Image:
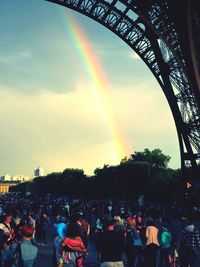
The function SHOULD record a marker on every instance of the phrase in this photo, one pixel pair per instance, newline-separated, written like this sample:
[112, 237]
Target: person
[28, 219]
[152, 244]
[3, 239]
[118, 223]
[27, 251]
[45, 224]
[133, 245]
[61, 228]
[6, 227]
[165, 245]
[188, 246]
[38, 229]
[85, 226]
[73, 249]
[61, 233]
[8, 246]
[111, 245]
[97, 235]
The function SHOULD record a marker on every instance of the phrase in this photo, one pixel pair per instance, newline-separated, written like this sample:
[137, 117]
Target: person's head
[63, 219]
[150, 222]
[128, 218]
[58, 219]
[165, 226]
[117, 219]
[7, 218]
[73, 230]
[191, 221]
[132, 223]
[76, 219]
[139, 219]
[110, 224]
[27, 231]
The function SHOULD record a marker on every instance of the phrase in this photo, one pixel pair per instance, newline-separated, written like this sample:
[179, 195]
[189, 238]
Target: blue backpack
[134, 238]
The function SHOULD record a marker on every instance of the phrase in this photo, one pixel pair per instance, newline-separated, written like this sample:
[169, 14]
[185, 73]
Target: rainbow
[100, 86]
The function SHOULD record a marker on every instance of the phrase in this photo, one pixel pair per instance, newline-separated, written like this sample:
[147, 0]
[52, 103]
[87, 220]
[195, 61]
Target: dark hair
[4, 216]
[165, 225]
[75, 218]
[73, 230]
[109, 223]
[150, 222]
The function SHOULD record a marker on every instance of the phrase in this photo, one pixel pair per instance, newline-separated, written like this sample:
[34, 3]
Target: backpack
[166, 239]
[73, 252]
[133, 238]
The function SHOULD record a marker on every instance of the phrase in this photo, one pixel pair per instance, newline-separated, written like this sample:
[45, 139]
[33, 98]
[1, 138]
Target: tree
[142, 173]
[155, 157]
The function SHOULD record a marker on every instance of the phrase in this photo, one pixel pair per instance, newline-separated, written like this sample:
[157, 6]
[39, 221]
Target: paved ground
[45, 255]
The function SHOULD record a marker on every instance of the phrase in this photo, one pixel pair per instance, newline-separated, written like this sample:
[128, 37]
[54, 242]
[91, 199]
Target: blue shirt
[61, 230]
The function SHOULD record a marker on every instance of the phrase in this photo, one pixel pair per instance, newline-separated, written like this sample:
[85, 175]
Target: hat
[27, 230]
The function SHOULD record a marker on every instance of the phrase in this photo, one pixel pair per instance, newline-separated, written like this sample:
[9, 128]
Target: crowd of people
[123, 233]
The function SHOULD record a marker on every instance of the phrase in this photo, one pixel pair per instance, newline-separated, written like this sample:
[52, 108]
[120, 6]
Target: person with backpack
[133, 245]
[165, 246]
[73, 249]
[61, 233]
[8, 242]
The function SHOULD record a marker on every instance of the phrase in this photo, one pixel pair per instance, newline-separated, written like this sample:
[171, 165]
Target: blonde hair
[117, 218]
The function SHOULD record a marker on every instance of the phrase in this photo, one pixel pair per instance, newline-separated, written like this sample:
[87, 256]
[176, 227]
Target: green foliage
[143, 173]
[155, 157]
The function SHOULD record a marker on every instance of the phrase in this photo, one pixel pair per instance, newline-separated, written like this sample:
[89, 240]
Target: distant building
[20, 178]
[38, 172]
[15, 178]
[7, 181]
[6, 177]
[5, 186]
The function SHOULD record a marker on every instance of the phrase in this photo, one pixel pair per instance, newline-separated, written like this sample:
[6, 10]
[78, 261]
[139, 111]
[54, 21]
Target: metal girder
[169, 45]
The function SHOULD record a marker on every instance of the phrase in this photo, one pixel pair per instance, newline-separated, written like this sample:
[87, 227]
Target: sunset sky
[73, 95]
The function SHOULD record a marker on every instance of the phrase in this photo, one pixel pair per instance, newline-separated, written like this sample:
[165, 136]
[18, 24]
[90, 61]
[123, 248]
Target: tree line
[143, 173]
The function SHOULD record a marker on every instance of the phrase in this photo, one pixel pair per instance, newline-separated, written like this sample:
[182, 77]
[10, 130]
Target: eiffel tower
[166, 36]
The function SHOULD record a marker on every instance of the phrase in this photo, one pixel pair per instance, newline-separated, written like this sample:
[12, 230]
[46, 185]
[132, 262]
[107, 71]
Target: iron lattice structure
[166, 35]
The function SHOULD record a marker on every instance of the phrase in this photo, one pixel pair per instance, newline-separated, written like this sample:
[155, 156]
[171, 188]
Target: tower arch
[167, 39]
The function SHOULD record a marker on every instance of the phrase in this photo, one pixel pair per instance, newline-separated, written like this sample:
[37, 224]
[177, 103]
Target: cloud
[146, 119]
[45, 124]
[6, 59]
[65, 130]
[14, 57]
[141, 109]
[24, 54]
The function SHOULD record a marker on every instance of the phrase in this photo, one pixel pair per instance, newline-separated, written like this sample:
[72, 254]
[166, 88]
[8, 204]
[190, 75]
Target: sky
[63, 107]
